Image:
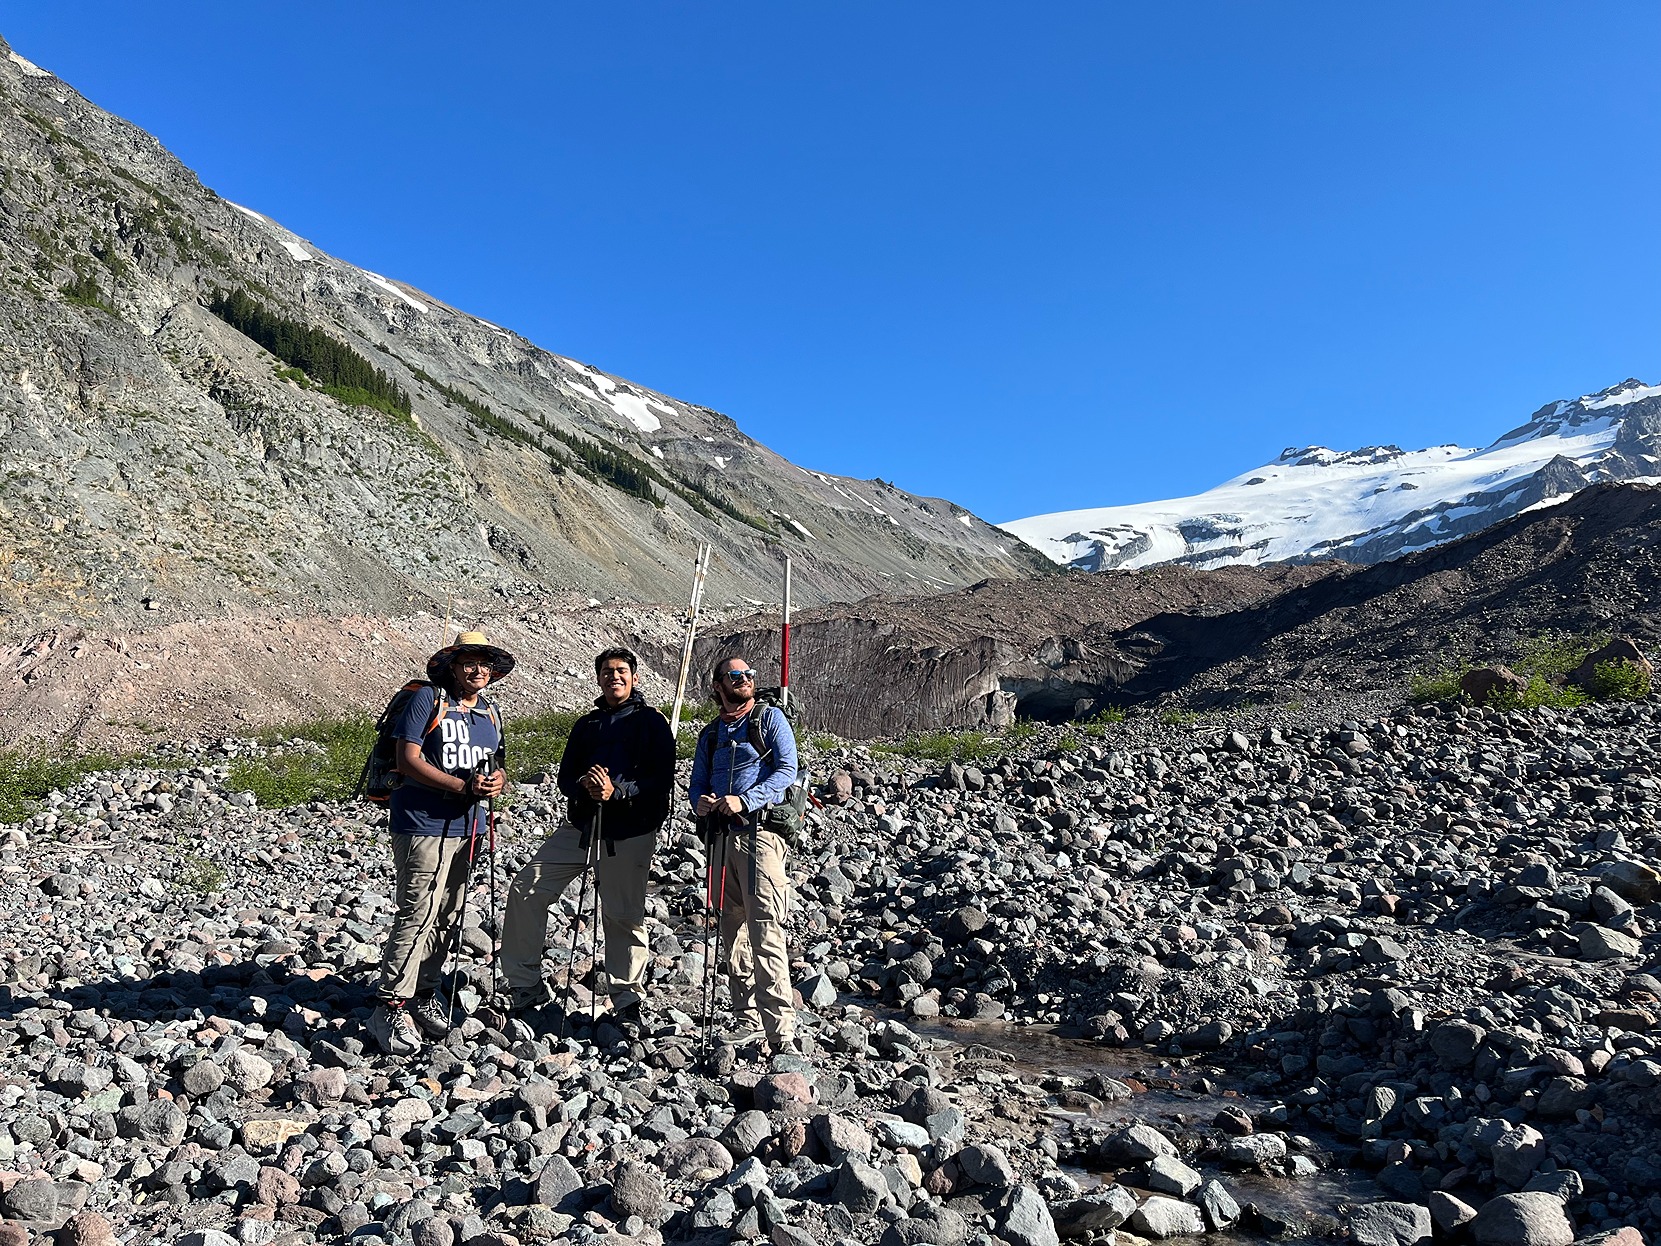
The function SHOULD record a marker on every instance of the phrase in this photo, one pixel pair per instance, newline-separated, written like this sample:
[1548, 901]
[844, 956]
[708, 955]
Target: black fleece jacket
[633, 743]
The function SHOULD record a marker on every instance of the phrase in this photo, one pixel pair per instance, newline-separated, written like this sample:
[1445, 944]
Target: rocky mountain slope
[1373, 504]
[331, 441]
[1318, 632]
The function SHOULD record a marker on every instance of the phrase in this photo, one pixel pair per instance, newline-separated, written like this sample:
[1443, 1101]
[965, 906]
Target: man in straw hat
[449, 752]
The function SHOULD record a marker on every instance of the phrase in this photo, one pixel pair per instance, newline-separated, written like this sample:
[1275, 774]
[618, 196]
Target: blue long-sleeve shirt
[727, 764]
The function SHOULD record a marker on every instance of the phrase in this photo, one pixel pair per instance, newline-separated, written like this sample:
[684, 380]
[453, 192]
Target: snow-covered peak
[1370, 504]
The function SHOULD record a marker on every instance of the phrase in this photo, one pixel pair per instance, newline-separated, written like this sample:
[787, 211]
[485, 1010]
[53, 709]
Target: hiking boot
[431, 1014]
[788, 1045]
[629, 1020]
[393, 1028]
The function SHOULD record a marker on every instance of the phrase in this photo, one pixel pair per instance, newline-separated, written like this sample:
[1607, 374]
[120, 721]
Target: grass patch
[941, 746]
[328, 772]
[1099, 723]
[536, 742]
[1179, 718]
[27, 779]
[1540, 691]
[1442, 686]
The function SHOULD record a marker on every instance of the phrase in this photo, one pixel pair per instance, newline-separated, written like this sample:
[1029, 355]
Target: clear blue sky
[1028, 257]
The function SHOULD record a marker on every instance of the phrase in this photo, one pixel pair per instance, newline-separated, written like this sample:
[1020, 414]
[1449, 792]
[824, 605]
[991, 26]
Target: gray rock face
[344, 502]
[1094, 1212]
[1389, 1224]
[1522, 1219]
[1028, 1221]
[637, 1190]
[1161, 1217]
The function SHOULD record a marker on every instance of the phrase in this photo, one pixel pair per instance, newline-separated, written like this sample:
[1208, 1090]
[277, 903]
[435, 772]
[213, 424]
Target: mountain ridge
[160, 464]
[1370, 504]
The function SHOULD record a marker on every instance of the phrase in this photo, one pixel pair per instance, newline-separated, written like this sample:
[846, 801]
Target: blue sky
[1030, 258]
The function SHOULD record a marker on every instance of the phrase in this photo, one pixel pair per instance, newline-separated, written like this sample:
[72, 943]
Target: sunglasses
[740, 677]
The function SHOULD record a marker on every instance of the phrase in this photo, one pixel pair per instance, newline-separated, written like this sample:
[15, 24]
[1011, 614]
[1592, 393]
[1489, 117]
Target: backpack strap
[441, 707]
[754, 731]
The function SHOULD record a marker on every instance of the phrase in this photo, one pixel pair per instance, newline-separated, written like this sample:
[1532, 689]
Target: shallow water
[1167, 1096]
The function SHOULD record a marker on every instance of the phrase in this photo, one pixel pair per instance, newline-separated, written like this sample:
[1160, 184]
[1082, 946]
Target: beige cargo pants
[430, 874]
[757, 903]
[621, 879]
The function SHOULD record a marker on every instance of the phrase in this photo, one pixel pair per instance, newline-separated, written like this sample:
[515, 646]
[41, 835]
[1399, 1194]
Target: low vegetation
[1544, 662]
[325, 766]
[27, 778]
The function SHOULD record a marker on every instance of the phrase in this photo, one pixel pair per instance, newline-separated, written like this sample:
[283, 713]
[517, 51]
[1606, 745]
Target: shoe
[431, 1014]
[393, 1028]
[789, 1045]
[630, 1022]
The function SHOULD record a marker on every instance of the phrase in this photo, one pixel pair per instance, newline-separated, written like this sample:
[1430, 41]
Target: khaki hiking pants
[621, 879]
[757, 903]
[431, 879]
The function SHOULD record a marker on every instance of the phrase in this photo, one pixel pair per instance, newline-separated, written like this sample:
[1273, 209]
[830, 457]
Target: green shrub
[536, 742]
[1554, 655]
[1619, 680]
[84, 291]
[1442, 686]
[941, 746]
[1068, 743]
[1540, 691]
[198, 874]
[1179, 718]
[328, 772]
[1097, 724]
[27, 778]
[1021, 731]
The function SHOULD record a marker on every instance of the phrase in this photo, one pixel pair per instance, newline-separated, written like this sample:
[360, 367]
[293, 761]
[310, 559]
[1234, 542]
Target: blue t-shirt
[458, 742]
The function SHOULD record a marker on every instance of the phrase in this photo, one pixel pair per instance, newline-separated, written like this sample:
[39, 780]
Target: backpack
[380, 769]
[786, 818]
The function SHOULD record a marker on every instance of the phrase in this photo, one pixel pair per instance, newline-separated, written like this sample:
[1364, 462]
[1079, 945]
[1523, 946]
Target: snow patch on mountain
[1371, 504]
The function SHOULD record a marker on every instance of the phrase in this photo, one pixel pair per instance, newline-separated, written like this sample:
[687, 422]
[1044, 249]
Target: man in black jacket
[616, 775]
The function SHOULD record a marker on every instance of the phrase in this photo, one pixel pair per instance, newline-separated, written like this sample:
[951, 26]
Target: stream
[1174, 1100]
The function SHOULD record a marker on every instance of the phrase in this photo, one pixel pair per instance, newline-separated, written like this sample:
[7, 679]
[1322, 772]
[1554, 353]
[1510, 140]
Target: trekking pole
[710, 911]
[495, 925]
[784, 644]
[594, 925]
[461, 924]
[699, 572]
[571, 949]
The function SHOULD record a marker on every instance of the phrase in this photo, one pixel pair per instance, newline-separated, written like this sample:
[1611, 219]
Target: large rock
[557, 1181]
[35, 1200]
[696, 1159]
[1631, 880]
[1488, 683]
[1602, 943]
[637, 1190]
[1136, 1144]
[986, 1165]
[1517, 1153]
[1101, 1209]
[1027, 1222]
[1162, 1217]
[1620, 651]
[1523, 1219]
[1389, 1224]
[859, 1187]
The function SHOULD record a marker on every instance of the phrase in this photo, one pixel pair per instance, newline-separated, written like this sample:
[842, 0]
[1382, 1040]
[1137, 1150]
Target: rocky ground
[1409, 948]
